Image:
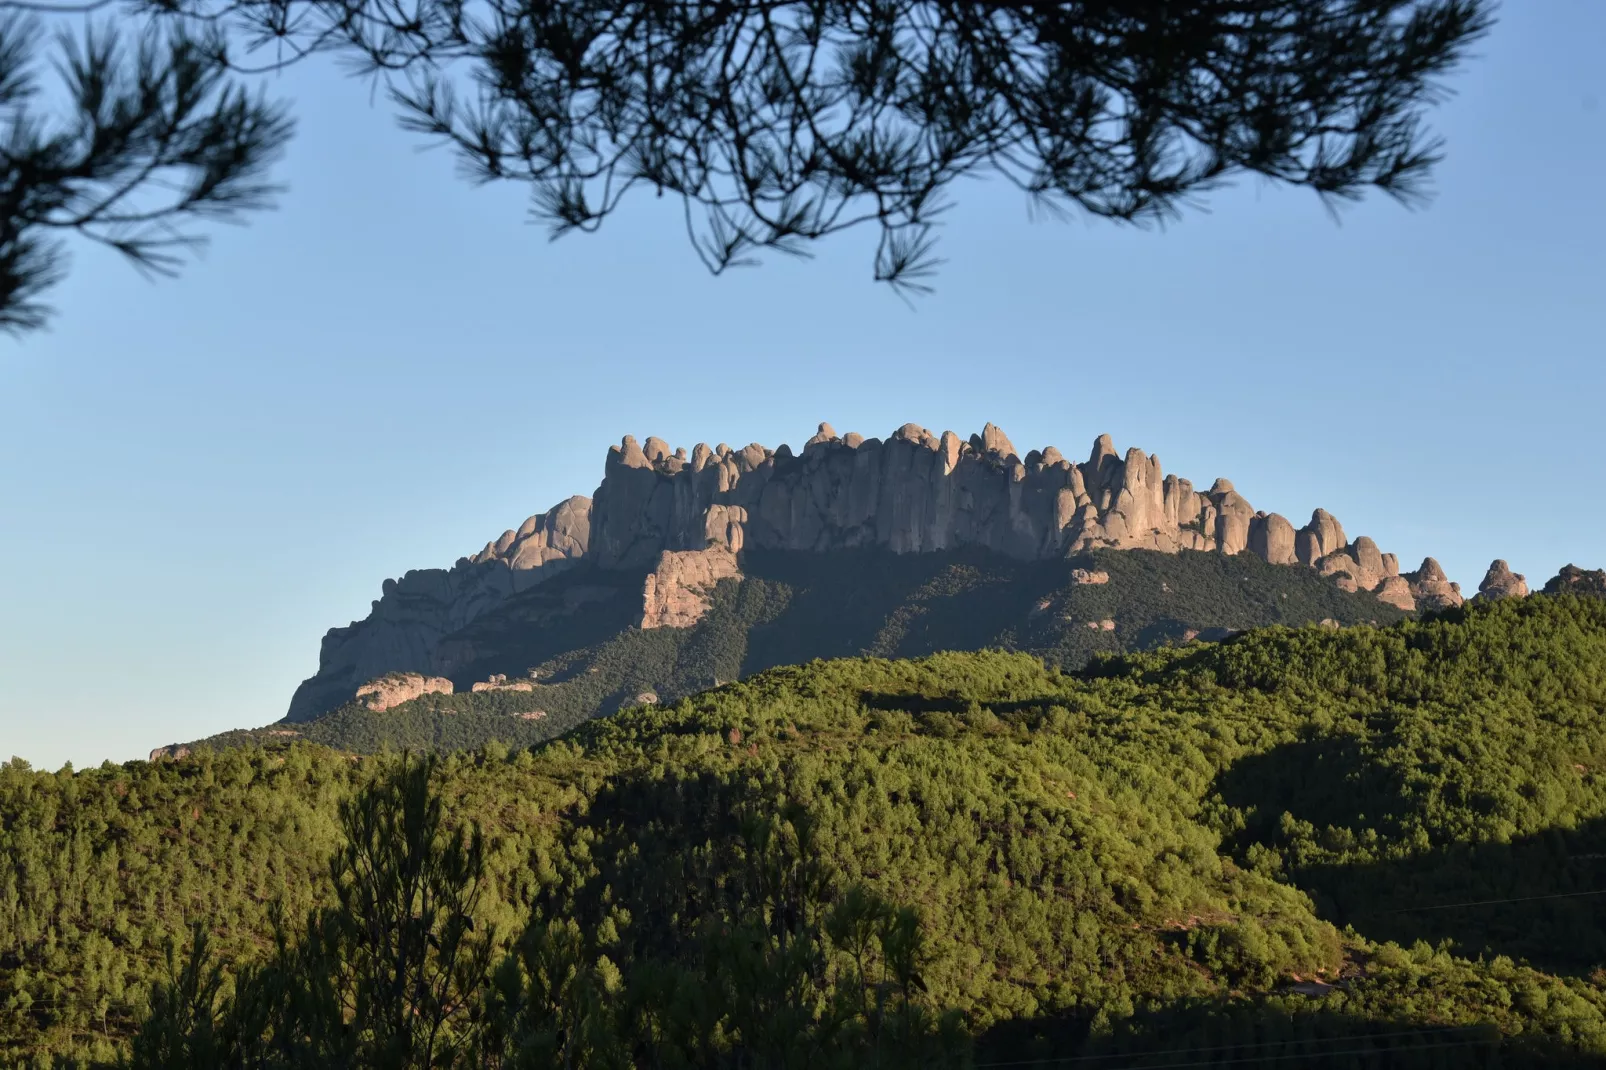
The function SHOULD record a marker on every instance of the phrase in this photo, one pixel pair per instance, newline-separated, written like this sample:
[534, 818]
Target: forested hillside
[1364, 847]
[791, 608]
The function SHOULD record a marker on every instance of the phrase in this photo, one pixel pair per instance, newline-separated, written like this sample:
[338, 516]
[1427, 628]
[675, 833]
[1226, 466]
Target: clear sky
[200, 476]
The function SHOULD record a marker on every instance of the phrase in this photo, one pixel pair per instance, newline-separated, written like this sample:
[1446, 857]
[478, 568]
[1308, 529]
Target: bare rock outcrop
[1272, 538]
[394, 688]
[1324, 535]
[559, 534]
[500, 682]
[1360, 566]
[675, 594]
[1431, 588]
[1396, 591]
[1501, 582]
[1574, 580]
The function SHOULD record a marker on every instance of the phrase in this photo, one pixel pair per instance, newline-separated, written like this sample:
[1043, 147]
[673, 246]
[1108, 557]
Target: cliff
[913, 492]
[403, 632]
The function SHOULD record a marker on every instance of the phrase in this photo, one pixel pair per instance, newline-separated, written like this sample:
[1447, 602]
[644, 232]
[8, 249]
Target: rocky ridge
[414, 613]
[918, 491]
[683, 518]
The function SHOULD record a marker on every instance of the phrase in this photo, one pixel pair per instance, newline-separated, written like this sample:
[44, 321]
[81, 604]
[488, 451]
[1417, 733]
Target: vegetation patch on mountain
[794, 607]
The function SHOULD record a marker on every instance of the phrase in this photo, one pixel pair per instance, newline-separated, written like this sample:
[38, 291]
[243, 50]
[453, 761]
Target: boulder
[994, 440]
[825, 434]
[1322, 536]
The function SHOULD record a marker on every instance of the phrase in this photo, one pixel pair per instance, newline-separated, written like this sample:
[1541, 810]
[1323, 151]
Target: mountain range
[685, 570]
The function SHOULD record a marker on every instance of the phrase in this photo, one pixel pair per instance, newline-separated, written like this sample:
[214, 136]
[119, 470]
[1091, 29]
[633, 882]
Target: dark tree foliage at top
[778, 123]
[158, 136]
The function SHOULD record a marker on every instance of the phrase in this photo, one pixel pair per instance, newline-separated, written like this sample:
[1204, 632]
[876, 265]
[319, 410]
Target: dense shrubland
[969, 856]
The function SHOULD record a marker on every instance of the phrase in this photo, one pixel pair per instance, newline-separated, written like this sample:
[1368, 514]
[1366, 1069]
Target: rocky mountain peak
[1501, 582]
[914, 492]
[993, 440]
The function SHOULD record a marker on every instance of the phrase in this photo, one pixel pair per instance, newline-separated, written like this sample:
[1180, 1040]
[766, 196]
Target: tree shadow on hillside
[1327, 780]
[873, 601]
[576, 610]
[1539, 898]
[672, 849]
[668, 849]
[1205, 1033]
[915, 702]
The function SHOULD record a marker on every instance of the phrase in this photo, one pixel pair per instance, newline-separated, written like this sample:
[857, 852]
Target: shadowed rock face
[912, 492]
[1574, 580]
[403, 631]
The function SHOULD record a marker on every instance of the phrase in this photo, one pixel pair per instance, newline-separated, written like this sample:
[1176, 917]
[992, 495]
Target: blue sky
[198, 477]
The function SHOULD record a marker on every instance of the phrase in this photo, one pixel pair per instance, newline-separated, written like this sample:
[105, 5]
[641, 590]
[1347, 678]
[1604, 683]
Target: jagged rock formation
[921, 491]
[1501, 582]
[557, 535]
[682, 518]
[1574, 580]
[394, 688]
[915, 491]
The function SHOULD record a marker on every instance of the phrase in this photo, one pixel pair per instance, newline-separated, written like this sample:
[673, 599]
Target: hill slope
[578, 631]
[1145, 857]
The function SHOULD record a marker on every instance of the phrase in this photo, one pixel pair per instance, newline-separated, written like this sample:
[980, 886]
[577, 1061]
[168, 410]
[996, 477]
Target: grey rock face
[404, 629]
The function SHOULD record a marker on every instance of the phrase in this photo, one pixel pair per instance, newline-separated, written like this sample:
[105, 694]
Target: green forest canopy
[1146, 856]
